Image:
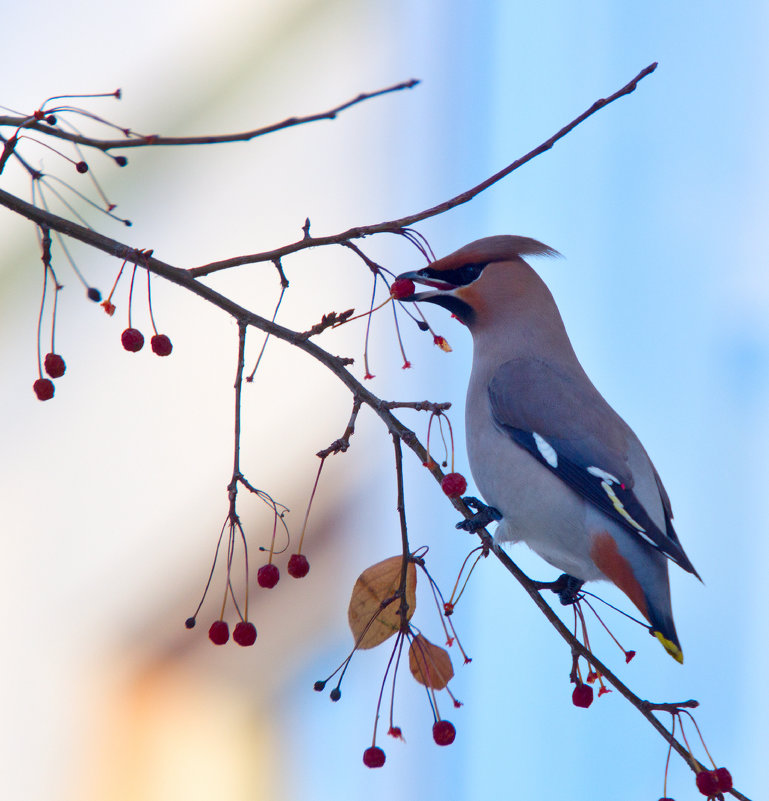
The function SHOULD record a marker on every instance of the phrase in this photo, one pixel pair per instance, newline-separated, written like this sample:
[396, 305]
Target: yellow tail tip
[670, 647]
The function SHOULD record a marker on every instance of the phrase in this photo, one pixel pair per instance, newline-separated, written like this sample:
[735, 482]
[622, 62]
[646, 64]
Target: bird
[557, 467]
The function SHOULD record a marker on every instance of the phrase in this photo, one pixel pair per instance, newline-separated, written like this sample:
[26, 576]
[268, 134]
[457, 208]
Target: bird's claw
[484, 515]
[566, 587]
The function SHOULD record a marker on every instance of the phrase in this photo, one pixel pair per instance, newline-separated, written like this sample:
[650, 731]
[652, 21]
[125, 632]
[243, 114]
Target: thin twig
[419, 406]
[403, 610]
[343, 443]
[236, 474]
[138, 140]
[396, 226]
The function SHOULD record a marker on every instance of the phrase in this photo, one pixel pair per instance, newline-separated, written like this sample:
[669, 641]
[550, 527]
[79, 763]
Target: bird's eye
[461, 276]
[469, 272]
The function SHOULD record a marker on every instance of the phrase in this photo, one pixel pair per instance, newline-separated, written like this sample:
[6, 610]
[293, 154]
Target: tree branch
[395, 226]
[139, 140]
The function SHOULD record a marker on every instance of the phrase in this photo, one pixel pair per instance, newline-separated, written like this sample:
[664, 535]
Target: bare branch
[343, 443]
[328, 321]
[138, 140]
[406, 551]
[419, 406]
[397, 226]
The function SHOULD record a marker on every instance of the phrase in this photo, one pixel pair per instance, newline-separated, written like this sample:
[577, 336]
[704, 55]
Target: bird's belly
[537, 508]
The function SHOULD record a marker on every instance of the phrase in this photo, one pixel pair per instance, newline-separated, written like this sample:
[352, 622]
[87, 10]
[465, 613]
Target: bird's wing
[564, 423]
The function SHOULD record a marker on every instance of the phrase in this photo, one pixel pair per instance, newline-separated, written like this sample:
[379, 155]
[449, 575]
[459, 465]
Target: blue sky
[658, 205]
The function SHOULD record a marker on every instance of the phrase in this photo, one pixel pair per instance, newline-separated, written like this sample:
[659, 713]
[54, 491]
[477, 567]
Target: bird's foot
[566, 587]
[483, 515]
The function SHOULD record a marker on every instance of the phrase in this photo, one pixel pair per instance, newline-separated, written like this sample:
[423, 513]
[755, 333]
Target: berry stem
[272, 541]
[49, 147]
[116, 94]
[455, 596]
[392, 685]
[130, 294]
[227, 585]
[452, 637]
[267, 336]
[608, 631]
[689, 748]
[451, 435]
[56, 290]
[114, 286]
[45, 242]
[368, 326]
[396, 648]
[309, 503]
[432, 700]
[406, 362]
[702, 740]
[210, 572]
[670, 751]
[149, 301]
[245, 557]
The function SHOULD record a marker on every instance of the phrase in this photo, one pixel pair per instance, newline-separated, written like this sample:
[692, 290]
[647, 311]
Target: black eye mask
[461, 276]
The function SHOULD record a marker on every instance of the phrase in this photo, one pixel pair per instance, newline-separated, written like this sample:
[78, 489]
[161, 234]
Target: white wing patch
[619, 506]
[603, 475]
[546, 450]
[607, 479]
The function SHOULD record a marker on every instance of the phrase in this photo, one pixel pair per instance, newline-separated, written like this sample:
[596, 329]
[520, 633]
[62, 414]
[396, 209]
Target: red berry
[132, 339]
[707, 782]
[54, 365]
[724, 780]
[373, 757]
[454, 484]
[245, 633]
[219, 632]
[444, 732]
[402, 288]
[298, 566]
[267, 576]
[582, 696]
[43, 388]
[161, 345]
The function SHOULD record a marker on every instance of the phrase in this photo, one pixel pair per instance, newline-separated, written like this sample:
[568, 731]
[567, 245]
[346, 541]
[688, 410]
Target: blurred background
[114, 493]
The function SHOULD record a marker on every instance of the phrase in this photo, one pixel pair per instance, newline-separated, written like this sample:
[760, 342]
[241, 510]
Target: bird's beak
[436, 289]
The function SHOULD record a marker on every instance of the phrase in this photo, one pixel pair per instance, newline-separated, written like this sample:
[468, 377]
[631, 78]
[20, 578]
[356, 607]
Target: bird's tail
[664, 629]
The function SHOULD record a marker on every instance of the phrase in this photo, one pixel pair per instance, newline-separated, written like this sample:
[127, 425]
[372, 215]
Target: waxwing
[558, 467]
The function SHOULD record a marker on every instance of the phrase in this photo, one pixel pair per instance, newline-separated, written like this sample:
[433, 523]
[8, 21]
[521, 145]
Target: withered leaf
[370, 624]
[430, 664]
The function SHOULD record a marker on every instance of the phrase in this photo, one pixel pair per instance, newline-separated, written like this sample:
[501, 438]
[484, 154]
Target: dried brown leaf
[430, 664]
[370, 624]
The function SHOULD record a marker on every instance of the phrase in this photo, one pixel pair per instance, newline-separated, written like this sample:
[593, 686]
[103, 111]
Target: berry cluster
[244, 633]
[132, 339]
[268, 575]
[444, 733]
[713, 782]
[381, 606]
[55, 366]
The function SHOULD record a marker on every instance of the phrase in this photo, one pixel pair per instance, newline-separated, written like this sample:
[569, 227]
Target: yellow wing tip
[670, 647]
